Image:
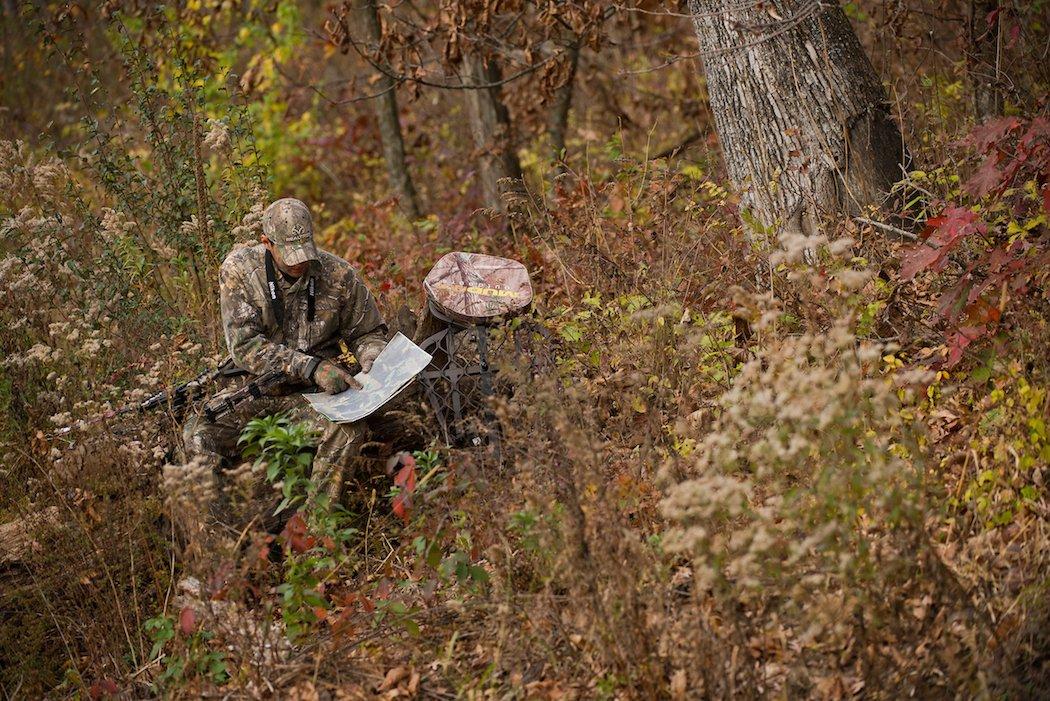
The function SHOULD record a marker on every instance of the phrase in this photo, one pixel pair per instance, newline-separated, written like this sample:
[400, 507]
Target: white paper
[396, 366]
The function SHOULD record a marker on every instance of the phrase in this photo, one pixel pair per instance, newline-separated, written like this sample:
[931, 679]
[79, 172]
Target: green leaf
[285, 503]
[434, 556]
[314, 599]
[217, 670]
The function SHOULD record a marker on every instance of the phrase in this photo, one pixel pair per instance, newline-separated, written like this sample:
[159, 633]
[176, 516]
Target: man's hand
[367, 354]
[333, 379]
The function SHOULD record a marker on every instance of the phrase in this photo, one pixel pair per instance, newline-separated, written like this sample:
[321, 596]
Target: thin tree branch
[887, 228]
[360, 98]
[402, 78]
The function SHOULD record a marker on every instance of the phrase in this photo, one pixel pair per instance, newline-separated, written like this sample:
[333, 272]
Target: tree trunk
[982, 58]
[491, 129]
[803, 119]
[559, 117]
[389, 121]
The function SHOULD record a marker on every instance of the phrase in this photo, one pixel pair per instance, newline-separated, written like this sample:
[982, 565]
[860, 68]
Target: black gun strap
[277, 304]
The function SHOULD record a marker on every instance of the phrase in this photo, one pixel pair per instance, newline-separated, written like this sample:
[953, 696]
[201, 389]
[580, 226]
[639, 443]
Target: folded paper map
[393, 370]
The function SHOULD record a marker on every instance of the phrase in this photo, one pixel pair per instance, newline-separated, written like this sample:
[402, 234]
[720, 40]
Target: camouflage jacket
[344, 310]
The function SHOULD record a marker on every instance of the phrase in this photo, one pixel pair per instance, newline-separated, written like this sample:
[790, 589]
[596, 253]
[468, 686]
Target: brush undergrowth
[719, 484]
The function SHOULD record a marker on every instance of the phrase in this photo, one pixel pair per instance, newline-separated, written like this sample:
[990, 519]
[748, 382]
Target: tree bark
[559, 116]
[802, 118]
[389, 121]
[982, 58]
[490, 128]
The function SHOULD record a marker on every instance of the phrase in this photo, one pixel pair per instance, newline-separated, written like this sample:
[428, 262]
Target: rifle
[178, 397]
[181, 395]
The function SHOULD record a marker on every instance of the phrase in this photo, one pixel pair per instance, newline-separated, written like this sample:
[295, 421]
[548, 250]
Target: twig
[887, 228]
[674, 148]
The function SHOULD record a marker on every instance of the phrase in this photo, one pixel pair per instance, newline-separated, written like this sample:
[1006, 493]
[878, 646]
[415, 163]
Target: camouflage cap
[287, 224]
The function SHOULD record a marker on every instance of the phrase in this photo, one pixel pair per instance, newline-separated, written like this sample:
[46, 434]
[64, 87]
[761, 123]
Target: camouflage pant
[339, 443]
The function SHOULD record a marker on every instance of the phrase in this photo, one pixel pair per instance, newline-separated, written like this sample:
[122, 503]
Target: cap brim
[299, 253]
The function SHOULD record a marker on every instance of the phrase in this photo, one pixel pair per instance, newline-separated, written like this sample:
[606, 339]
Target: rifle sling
[277, 304]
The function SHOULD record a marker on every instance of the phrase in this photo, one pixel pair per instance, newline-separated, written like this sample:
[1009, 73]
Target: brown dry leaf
[831, 687]
[548, 689]
[352, 693]
[393, 678]
[305, 691]
[679, 685]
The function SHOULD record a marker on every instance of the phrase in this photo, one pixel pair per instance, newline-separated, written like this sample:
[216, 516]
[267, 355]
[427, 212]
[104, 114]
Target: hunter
[287, 306]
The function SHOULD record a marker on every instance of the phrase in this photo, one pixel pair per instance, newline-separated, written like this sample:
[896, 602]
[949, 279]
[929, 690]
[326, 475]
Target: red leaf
[959, 340]
[992, 132]
[401, 504]
[342, 624]
[302, 544]
[1046, 198]
[406, 478]
[1038, 129]
[262, 543]
[1015, 34]
[951, 303]
[982, 314]
[987, 178]
[187, 620]
[951, 227]
[993, 16]
[932, 224]
[384, 588]
[399, 460]
[296, 534]
[918, 258]
[1005, 256]
[296, 525]
[104, 688]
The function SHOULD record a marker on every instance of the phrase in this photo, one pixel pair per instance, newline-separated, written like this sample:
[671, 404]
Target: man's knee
[339, 442]
[204, 438]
